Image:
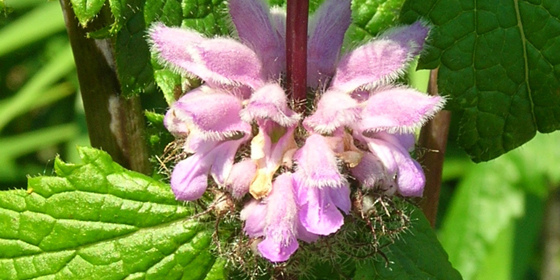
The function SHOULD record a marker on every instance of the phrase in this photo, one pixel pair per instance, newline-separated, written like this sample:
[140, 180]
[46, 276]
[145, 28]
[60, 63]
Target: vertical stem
[296, 65]
[296, 50]
[433, 138]
[115, 124]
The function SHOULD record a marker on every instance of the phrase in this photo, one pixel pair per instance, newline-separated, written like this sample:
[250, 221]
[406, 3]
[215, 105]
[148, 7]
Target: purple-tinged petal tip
[334, 110]
[189, 179]
[270, 102]
[216, 61]
[399, 110]
[214, 114]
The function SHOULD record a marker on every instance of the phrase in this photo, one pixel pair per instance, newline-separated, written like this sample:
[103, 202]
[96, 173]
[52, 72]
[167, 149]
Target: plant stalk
[433, 140]
[115, 124]
[296, 51]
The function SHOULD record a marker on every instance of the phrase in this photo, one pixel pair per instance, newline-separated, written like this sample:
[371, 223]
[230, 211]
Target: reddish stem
[296, 50]
[433, 137]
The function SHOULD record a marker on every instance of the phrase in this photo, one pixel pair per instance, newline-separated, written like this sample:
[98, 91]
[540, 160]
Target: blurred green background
[496, 220]
[41, 114]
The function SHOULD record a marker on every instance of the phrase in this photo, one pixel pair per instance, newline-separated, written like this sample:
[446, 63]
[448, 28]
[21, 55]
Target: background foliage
[497, 62]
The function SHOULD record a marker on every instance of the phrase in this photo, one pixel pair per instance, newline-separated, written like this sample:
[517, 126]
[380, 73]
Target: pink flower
[298, 192]
[275, 218]
[360, 97]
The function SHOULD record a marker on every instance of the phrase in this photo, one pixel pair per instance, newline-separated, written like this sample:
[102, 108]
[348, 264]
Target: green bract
[498, 62]
[97, 220]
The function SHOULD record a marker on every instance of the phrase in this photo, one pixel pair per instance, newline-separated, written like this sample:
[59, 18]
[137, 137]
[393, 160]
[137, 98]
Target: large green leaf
[491, 198]
[417, 254]
[97, 220]
[498, 60]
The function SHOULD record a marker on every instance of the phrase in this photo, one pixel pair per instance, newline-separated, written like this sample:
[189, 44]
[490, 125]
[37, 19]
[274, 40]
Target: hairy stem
[115, 124]
[433, 140]
[296, 50]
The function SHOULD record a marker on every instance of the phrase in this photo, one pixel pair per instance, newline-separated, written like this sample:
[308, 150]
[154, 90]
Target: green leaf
[416, 255]
[369, 17]
[86, 10]
[209, 17]
[498, 61]
[492, 196]
[97, 220]
[169, 83]
[169, 12]
[134, 69]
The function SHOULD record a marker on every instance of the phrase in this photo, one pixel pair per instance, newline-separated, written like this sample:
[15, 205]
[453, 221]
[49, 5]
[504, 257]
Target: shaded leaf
[416, 255]
[498, 61]
[97, 220]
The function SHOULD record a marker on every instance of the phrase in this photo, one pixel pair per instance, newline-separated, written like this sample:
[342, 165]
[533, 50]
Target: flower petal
[334, 110]
[176, 126]
[214, 114]
[410, 178]
[254, 215]
[317, 165]
[415, 34]
[340, 196]
[268, 149]
[318, 213]
[326, 33]
[398, 110]
[371, 174]
[405, 172]
[281, 228]
[270, 102]
[172, 43]
[240, 178]
[224, 155]
[381, 60]
[304, 234]
[189, 179]
[217, 61]
[254, 27]
[278, 20]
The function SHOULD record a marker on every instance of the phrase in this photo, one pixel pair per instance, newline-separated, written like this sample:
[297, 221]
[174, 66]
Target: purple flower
[238, 91]
[320, 186]
[361, 98]
[299, 192]
[275, 219]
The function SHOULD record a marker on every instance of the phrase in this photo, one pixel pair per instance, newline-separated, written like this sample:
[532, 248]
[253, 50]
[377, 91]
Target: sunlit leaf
[97, 220]
[369, 17]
